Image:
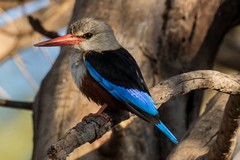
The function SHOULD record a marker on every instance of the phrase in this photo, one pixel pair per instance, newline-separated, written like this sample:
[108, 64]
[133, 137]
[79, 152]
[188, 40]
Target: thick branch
[213, 135]
[90, 129]
[16, 104]
[224, 145]
[202, 79]
[202, 134]
[177, 85]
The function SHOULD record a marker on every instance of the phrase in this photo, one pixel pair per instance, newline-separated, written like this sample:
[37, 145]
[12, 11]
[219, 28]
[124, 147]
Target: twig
[37, 26]
[161, 93]
[223, 147]
[16, 104]
[24, 71]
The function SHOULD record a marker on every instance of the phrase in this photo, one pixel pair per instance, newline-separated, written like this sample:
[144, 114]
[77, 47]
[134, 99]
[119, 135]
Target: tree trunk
[166, 38]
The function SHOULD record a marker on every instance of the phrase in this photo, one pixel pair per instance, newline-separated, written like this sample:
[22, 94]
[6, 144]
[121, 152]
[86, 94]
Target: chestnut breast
[88, 85]
[95, 92]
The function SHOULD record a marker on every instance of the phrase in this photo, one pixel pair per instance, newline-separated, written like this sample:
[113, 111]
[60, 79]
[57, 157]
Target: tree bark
[203, 134]
[223, 147]
[166, 38]
[5, 5]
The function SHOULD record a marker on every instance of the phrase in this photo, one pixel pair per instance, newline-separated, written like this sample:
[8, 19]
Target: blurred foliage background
[22, 68]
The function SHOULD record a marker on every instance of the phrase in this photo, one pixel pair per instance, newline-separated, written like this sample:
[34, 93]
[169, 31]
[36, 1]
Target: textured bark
[166, 38]
[202, 135]
[205, 140]
[223, 147]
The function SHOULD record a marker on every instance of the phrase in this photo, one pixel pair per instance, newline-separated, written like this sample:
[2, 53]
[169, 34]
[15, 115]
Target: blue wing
[138, 101]
[133, 97]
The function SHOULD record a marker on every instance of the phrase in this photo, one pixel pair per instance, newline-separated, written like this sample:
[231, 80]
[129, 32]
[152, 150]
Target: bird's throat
[77, 66]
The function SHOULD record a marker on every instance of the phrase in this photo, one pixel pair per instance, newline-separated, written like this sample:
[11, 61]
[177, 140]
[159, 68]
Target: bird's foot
[99, 113]
[105, 117]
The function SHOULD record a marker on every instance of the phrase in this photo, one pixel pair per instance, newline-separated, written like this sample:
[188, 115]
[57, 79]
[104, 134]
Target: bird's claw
[105, 117]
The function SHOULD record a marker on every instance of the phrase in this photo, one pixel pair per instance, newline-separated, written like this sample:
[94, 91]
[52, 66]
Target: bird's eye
[87, 35]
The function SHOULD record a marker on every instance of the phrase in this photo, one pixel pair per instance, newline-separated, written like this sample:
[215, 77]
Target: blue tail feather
[166, 131]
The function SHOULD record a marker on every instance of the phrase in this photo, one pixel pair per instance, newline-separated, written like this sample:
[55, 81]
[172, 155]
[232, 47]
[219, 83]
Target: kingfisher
[106, 73]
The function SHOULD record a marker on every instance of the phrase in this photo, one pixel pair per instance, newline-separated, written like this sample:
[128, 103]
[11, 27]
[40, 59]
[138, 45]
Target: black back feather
[123, 71]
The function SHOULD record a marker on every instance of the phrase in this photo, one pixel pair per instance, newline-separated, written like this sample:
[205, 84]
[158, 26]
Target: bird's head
[86, 34]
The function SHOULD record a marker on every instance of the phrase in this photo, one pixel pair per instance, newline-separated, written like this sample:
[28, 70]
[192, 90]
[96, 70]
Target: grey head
[97, 35]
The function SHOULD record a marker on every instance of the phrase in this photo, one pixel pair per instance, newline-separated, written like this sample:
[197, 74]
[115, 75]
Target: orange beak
[67, 39]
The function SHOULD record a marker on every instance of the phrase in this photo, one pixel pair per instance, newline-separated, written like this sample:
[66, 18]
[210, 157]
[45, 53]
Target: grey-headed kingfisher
[106, 73]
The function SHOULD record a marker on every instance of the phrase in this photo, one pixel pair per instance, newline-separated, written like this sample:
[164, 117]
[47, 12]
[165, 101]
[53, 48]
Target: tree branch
[20, 33]
[202, 79]
[16, 104]
[94, 127]
[202, 133]
[5, 5]
[38, 27]
[89, 130]
[225, 143]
